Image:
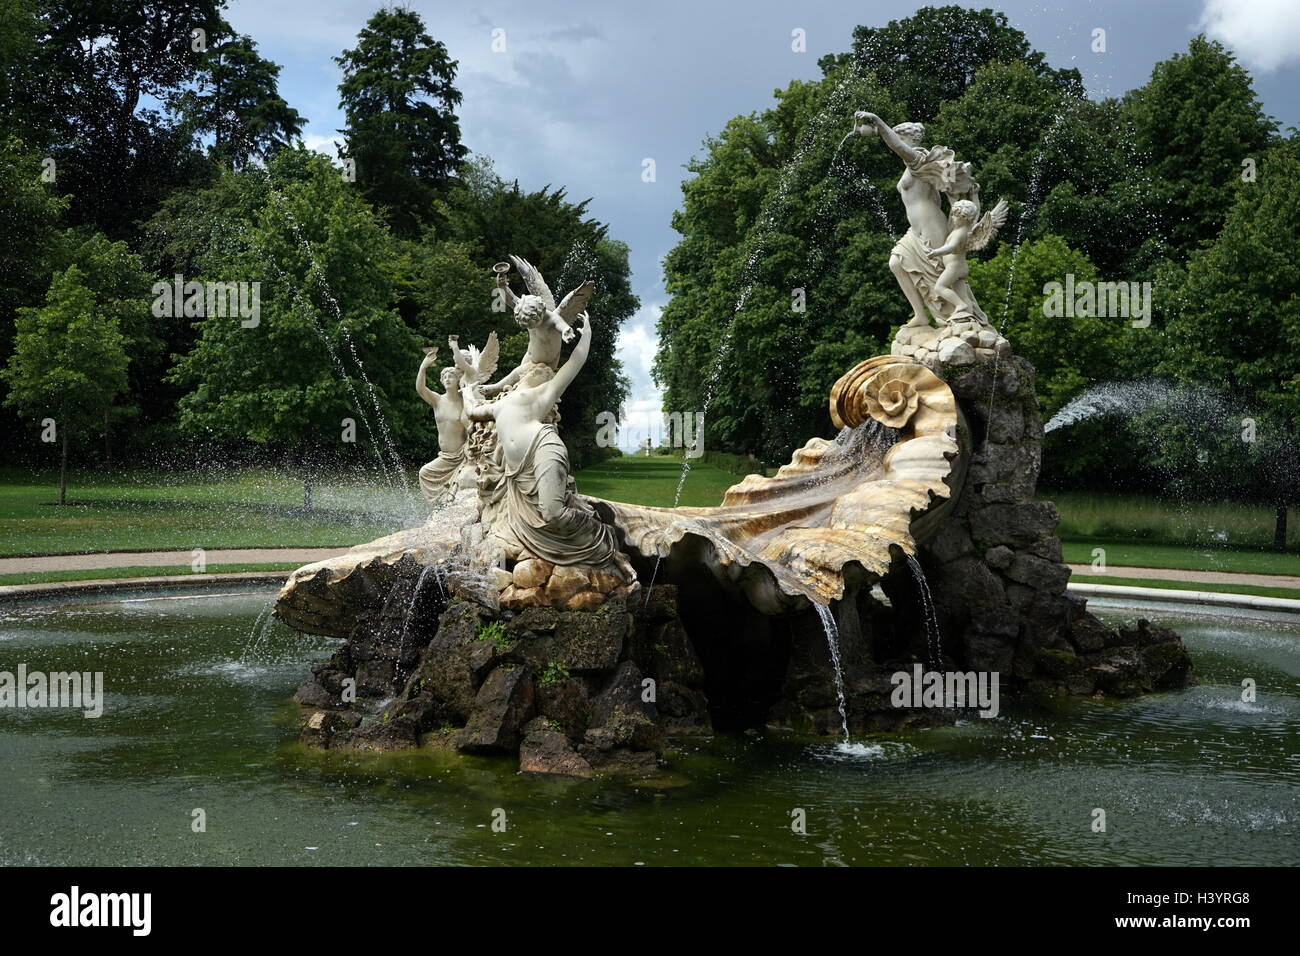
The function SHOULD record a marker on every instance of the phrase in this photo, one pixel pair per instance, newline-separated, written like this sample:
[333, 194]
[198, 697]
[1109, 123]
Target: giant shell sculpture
[839, 505]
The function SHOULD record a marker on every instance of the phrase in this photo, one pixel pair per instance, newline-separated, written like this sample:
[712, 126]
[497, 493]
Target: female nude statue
[929, 174]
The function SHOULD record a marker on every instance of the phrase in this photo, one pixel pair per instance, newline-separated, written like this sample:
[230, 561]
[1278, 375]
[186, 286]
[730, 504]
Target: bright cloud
[1265, 34]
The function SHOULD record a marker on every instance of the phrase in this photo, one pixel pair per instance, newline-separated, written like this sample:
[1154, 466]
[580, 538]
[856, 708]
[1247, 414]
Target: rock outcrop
[572, 692]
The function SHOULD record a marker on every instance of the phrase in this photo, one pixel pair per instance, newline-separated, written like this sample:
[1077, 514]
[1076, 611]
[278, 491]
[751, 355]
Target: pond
[198, 716]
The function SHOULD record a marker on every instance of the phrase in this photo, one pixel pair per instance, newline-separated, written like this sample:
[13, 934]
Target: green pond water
[198, 715]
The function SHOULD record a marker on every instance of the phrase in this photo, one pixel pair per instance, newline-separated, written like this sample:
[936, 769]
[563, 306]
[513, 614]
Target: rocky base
[995, 567]
[578, 673]
[571, 692]
[964, 342]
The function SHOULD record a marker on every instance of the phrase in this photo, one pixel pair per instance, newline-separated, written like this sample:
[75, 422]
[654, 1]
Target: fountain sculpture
[580, 632]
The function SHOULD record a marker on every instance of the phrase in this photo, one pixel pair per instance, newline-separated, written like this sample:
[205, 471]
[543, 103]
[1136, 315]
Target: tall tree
[398, 95]
[932, 56]
[68, 364]
[121, 288]
[237, 99]
[325, 347]
[110, 71]
[1197, 120]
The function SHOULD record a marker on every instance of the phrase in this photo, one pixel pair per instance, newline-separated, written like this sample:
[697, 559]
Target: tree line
[141, 142]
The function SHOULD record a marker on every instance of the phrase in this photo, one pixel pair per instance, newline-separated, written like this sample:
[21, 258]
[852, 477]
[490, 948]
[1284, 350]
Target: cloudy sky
[586, 90]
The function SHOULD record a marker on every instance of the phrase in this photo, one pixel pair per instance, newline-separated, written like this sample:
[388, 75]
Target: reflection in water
[192, 720]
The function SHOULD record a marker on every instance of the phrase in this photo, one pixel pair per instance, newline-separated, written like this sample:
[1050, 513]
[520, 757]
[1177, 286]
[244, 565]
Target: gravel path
[1192, 577]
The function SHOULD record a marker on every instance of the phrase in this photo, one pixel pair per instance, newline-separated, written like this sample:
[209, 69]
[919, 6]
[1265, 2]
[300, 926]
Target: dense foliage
[141, 142]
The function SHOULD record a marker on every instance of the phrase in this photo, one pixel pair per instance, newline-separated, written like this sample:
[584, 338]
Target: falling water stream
[833, 642]
[934, 647]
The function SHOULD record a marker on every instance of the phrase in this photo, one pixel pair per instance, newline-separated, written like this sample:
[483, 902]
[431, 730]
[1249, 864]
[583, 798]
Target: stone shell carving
[837, 509]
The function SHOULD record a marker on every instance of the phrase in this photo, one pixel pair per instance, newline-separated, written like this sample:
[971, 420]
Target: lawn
[141, 511]
[1239, 525]
[1142, 555]
[250, 508]
[653, 481]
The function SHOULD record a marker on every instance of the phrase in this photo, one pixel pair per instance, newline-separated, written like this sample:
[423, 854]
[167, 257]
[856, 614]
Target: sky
[585, 91]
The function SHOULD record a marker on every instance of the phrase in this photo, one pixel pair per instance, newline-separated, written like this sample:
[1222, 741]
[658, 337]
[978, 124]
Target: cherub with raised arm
[965, 233]
[453, 428]
[547, 323]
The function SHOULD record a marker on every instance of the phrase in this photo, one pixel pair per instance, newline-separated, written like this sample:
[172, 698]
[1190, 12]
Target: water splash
[773, 212]
[1184, 403]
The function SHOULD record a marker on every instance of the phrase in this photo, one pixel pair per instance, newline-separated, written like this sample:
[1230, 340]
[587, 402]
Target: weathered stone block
[501, 707]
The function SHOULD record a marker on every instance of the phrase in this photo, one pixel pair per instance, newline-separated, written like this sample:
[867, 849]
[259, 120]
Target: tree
[29, 212]
[931, 57]
[784, 251]
[237, 99]
[103, 64]
[326, 346]
[1069, 352]
[1068, 164]
[1233, 323]
[1197, 120]
[120, 287]
[399, 96]
[68, 363]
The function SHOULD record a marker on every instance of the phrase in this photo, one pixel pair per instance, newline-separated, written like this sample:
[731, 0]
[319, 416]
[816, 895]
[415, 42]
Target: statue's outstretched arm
[421, 386]
[570, 369]
[476, 410]
[498, 387]
[907, 154]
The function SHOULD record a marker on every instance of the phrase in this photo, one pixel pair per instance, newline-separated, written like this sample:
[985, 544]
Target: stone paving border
[1193, 577]
[1183, 596]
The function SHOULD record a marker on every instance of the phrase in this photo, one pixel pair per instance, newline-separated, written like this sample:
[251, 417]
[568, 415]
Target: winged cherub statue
[547, 323]
[475, 367]
[965, 234]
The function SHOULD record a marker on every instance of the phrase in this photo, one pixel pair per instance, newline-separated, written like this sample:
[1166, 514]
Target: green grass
[103, 574]
[1188, 586]
[262, 508]
[653, 481]
[1143, 518]
[1121, 554]
[141, 511]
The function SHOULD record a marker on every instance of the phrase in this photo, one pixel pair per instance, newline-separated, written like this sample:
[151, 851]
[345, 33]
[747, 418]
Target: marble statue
[502, 440]
[547, 323]
[440, 475]
[543, 517]
[929, 261]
